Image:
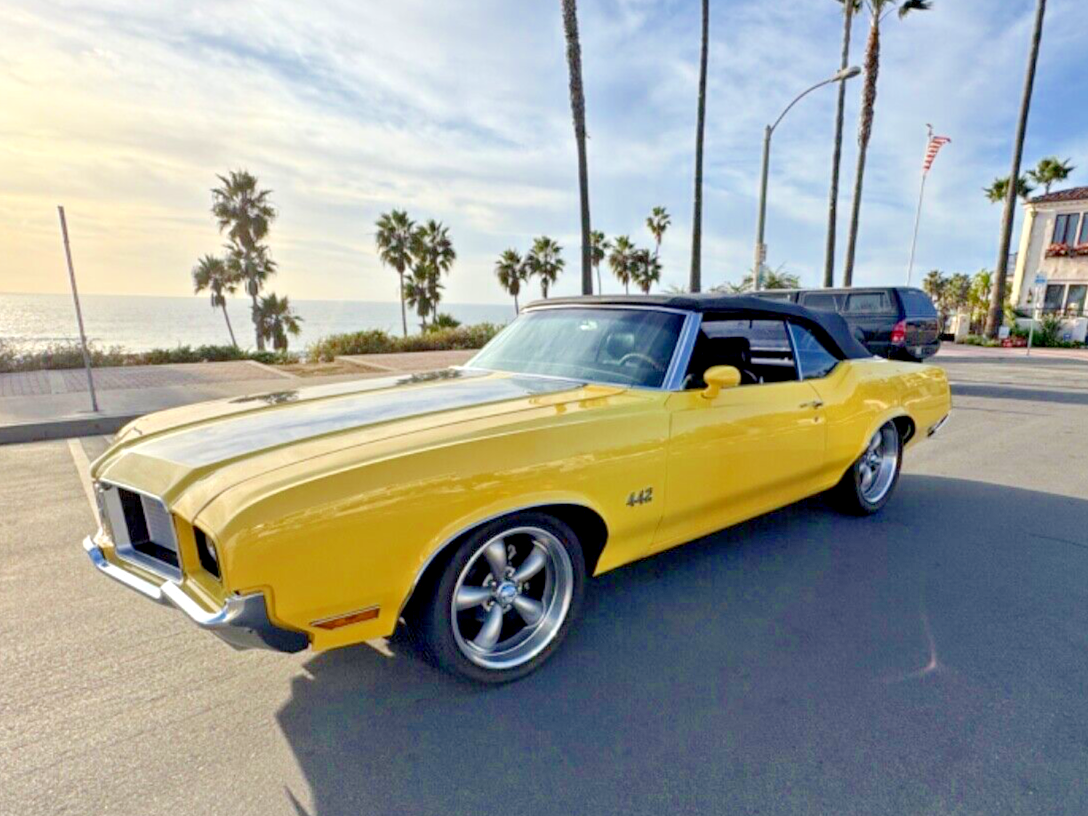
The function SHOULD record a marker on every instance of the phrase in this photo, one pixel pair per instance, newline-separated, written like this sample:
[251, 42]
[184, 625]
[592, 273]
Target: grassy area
[69, 355]
[375, 341]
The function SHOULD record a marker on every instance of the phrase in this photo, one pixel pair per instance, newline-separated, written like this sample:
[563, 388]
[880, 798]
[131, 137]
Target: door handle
[814, 404]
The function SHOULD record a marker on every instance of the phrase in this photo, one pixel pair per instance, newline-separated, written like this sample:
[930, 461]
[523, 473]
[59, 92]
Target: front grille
[142, 529]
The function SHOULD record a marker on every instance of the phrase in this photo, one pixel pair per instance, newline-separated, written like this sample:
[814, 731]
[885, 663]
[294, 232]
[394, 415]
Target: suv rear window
[917, 303]
[822, 301]
[868, 302]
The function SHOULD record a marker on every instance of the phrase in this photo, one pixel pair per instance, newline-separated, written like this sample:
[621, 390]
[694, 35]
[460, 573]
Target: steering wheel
[644, 358]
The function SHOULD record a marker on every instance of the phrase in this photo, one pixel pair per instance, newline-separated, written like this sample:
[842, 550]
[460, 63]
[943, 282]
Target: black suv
[891, 321]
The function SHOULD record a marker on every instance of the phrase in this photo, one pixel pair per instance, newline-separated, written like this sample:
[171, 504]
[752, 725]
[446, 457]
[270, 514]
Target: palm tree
[998, 191]
[620, 261]
[545, 262]
[1051, 170]
[433, 253]
[598, 248]
[418, 292]
[578, 114]
[645, 270]
[695, 281]
[277, 320]
[836, 157]
[877, 10]
[212, 274]
[657, 223]
[512, 272]
[768, 279]
[245, 213]
[394, 241]
[997, 297]
[253, 268]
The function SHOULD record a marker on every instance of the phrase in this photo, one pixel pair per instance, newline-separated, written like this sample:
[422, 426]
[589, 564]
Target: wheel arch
[587, 523]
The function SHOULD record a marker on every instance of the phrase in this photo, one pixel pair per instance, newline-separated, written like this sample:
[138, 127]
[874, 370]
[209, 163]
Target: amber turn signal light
[350, 618]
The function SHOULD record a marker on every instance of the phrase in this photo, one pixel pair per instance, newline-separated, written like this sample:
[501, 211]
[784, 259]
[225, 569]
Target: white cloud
[125, 111]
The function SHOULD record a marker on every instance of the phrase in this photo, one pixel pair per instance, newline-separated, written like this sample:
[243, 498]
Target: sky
[124, 112]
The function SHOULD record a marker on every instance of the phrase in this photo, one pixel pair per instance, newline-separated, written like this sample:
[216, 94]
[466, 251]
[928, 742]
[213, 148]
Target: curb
[64, 428]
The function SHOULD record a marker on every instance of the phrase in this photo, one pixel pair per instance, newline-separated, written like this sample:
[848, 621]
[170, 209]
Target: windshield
[617, 346]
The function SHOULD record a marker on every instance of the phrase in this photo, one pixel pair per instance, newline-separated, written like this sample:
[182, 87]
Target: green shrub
[442, 321]
[375, 341]
[70, 355]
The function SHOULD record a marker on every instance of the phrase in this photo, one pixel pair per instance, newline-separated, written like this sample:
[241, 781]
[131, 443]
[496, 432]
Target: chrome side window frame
[681, 357]
[793, 350]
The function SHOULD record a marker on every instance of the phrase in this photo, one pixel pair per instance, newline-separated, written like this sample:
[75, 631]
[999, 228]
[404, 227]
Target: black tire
[850, 496]
[439, 628]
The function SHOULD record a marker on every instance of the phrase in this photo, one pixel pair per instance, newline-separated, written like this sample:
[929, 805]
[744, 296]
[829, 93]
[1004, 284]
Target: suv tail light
[899, 333]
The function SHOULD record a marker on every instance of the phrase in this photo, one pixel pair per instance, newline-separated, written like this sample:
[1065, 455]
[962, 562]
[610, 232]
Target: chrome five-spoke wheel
[511, 597]
[879, 465]
[506, 598]
[868, 484]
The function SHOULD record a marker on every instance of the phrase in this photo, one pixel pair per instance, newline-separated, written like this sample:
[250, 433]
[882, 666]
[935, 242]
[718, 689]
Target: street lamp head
[846, 73]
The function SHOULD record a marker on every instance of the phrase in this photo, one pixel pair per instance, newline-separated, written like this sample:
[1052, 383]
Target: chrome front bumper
[242, 621]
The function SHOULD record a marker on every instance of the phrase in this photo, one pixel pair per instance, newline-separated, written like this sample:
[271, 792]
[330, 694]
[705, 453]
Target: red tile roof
[1072, 194]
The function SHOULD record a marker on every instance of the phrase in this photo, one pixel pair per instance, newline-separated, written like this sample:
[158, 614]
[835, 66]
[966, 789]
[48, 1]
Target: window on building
[1055, 294]
[1074, 301]
[1065, 228]
[1083, 237]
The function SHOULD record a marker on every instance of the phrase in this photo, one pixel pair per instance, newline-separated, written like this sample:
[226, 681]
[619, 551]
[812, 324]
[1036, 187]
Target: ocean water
[139, 323]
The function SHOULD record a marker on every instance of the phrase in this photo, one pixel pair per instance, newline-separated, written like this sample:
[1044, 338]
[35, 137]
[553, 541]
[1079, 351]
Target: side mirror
[719, 377]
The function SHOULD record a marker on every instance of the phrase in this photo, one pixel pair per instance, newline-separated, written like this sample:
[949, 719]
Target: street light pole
[761, 249]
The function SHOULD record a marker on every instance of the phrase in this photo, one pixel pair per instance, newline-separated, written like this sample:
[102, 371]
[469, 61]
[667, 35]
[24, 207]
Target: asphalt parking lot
[930, 660]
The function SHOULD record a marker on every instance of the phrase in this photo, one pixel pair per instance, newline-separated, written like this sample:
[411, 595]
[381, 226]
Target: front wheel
[506, 598]
[868, 484]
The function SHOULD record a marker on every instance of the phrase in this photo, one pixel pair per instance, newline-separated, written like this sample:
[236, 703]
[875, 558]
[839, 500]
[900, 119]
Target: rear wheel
[870, 481]
[506, 599]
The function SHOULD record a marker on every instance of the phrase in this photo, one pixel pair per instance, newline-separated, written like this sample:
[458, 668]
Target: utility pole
[79, 312]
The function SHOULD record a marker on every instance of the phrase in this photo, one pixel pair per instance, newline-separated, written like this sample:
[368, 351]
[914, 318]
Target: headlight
[206, 552]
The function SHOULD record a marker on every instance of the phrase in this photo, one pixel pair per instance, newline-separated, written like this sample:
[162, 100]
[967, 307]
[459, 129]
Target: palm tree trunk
[836, 157]
[516, 309]
[695, 280]
[403, 308]
[257, 323]
[229, 329]
[600, 291]
[997, 293]
[578, 113]
[865, 131]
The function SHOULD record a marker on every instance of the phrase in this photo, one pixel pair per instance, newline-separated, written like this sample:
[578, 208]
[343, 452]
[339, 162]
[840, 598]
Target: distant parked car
[898, 322]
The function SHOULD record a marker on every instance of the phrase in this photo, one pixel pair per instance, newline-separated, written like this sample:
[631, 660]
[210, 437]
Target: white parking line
[83, 468]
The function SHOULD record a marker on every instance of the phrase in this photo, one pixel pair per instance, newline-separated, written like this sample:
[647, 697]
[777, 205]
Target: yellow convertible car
[472, 503]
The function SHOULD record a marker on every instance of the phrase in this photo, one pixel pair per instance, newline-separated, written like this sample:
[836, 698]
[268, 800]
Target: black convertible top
[829, 325]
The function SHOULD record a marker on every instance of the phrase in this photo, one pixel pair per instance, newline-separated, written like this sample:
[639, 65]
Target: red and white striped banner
[935, 144]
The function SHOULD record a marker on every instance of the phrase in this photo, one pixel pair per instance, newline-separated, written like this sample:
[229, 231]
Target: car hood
[219, 444]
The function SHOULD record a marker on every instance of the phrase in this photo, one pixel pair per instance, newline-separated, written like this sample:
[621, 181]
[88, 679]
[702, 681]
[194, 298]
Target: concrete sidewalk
[41, 405]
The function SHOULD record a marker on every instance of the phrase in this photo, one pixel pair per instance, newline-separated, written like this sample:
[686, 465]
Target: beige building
[1054, 245]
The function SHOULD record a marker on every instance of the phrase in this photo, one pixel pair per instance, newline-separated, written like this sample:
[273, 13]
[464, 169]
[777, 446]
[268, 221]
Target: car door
[872, 315]
[748, 450]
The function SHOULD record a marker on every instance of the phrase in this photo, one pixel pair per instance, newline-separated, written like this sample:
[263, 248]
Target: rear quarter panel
[353, 529]
[861, 395]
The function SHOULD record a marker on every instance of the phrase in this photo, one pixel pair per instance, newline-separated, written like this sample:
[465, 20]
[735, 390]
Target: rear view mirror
[719, 377]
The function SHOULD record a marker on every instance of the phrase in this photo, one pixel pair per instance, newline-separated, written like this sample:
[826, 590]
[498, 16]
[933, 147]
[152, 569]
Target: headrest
[619, 344]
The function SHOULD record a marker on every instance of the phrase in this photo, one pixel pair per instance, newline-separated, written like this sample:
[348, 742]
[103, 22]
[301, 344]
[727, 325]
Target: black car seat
[712, 351]
[736, 352]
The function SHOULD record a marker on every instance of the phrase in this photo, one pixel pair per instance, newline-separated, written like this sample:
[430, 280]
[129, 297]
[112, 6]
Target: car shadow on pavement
[930, 658]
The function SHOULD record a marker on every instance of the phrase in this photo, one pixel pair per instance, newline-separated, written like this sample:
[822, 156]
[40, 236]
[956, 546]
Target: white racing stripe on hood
[220, 440]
